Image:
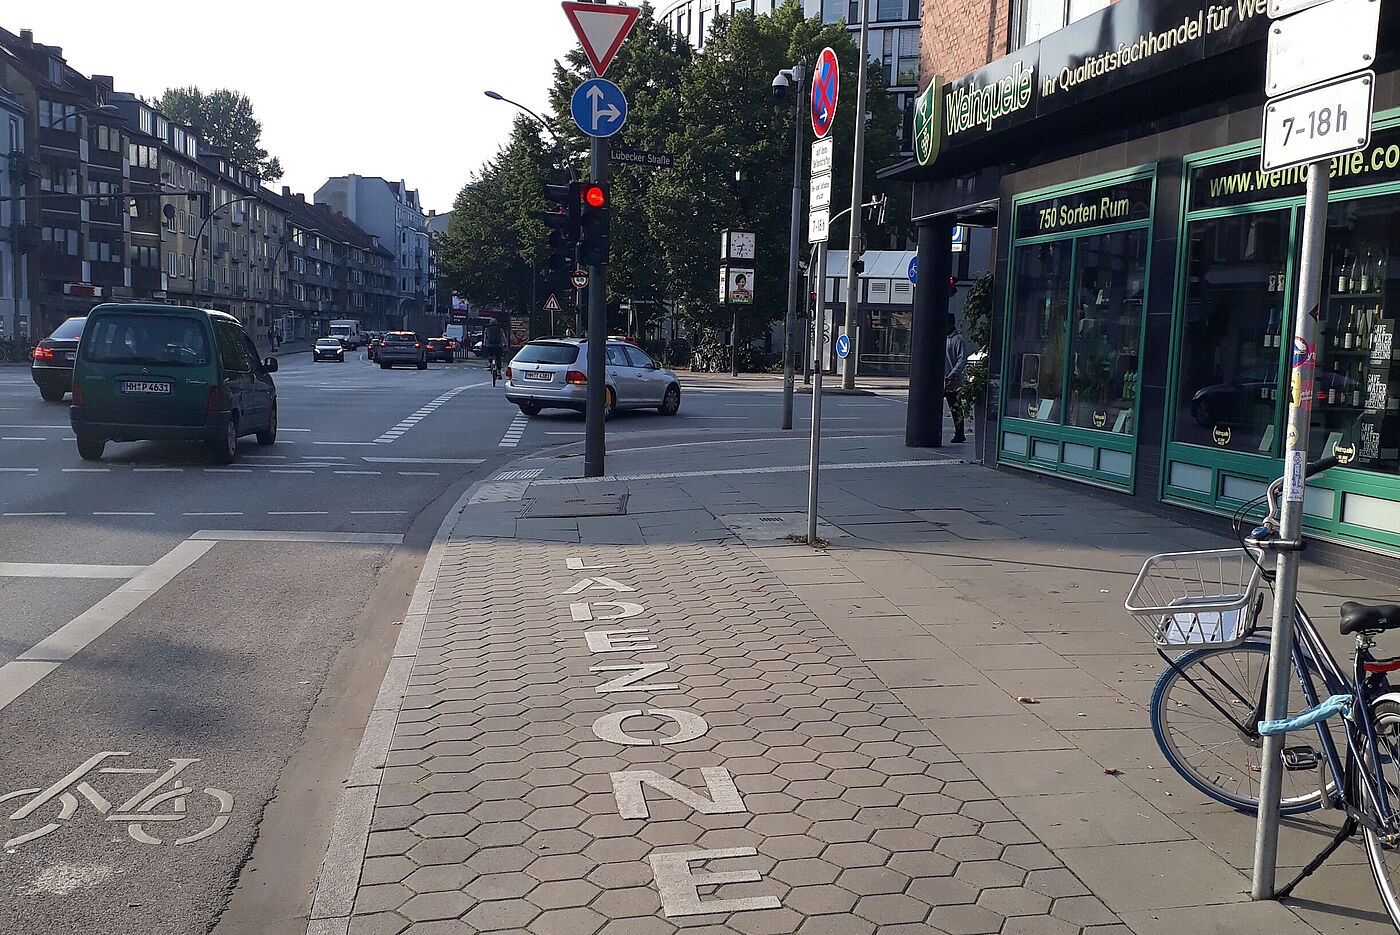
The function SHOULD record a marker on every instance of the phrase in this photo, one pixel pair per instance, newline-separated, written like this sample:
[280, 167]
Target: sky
[388, 89]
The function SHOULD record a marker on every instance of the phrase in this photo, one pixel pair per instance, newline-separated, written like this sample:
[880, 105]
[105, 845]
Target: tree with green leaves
[496, 246]
[225, 119]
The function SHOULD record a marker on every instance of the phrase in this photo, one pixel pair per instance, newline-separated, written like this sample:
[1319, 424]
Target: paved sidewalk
[631, 706]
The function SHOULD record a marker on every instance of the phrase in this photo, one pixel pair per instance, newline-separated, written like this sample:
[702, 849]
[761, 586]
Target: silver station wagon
[552, 373]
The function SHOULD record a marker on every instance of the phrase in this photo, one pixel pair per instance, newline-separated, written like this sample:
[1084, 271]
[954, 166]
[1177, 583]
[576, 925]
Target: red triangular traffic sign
[601, 29]
[552, 303]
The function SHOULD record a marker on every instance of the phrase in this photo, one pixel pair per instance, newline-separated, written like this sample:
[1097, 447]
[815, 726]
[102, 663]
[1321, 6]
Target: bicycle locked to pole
[1207, 707]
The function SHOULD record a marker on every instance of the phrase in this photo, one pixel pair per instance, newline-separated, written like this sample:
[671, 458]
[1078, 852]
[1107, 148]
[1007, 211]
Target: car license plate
[539, 376]
[69, 355]
[143, 386]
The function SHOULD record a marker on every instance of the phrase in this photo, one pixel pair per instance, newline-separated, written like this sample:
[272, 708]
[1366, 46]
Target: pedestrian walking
[954, 373]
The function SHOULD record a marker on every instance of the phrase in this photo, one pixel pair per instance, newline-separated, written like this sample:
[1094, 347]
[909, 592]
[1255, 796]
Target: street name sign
[600, 29]
[826, 87]
[638, 157]
[1318, 123]
[598, 107]
[1321, 43]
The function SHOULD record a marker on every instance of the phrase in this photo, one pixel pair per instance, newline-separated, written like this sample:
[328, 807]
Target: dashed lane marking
[413, 419]
[17, 470]
[423, 460]
[35, 514]
[514, 431]
[121, 513]
[418, 474]
[211, 513]
[367, 444]
[377, 512]
[67, 570]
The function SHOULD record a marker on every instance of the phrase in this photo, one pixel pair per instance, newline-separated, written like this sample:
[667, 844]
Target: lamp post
[99, 109]
[852, 329]
[194, 257]
[795, 78]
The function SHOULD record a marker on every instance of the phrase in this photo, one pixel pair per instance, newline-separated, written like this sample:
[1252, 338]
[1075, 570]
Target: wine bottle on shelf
[1341, 273]
[1359, 381]
[1349, 332]
[1364, 283]
[1271, 329]
[1334, 393]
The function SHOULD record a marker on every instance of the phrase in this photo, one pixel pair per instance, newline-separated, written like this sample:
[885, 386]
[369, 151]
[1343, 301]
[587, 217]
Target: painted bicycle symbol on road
[163, 799]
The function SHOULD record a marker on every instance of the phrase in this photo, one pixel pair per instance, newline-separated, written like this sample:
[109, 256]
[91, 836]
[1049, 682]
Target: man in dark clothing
[954, 373]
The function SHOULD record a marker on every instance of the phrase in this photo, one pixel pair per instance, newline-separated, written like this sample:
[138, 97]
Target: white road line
[65, 570]
[422, 413]
[158, 470]
[563, 433]
[283, 428]
[267, 457]
[369, 444]
[35, 427]
[418, 474]
[423, 460]
[120, 513]
[296, 471]
[21, 438]
[228, 470]
[87, 470]
[58, 647]
[359, 472]
[211, 514]
[514, 431]
[300, 512]
[377, 512]
[18, 470]
[272, 535]
[33, 514]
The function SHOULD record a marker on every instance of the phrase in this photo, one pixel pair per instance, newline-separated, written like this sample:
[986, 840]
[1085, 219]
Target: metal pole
[818, 363]
[593, 437]
[734, 342]
[799, 73]
[1290, 528]
[852, 327]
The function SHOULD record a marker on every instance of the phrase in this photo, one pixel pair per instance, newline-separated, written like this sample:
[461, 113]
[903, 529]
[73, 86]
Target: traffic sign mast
[826, 85]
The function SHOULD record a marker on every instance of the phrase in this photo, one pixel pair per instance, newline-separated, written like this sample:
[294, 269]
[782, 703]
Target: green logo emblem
[928, 127]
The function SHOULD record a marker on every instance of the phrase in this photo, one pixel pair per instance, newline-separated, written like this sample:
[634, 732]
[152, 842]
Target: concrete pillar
[924, 426]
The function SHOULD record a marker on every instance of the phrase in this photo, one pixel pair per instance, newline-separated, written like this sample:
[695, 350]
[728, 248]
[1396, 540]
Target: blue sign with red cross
[826, 84]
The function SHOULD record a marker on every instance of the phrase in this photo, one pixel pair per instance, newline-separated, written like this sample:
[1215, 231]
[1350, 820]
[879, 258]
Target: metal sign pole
[852, 326]
[1290, 525]
[594, 442]
[818, 365]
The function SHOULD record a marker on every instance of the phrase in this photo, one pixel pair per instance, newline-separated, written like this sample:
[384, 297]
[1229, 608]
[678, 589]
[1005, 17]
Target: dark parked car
[443, 349]
[52, 365]
[402, 347]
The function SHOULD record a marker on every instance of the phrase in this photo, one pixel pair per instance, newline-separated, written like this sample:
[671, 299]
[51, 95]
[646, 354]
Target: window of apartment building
[1036, 18]
[100, 251]
[61, 240]
[107, 138]
[145, 257]
[59, 179]
[145, 157]
[16, 140]
[52, 112]
[899, 55]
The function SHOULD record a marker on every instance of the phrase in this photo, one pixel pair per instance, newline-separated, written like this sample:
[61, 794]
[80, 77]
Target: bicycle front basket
[1197, 598]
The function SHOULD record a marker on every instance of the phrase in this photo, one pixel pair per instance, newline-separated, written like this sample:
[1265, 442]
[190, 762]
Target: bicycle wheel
[1384, 857]
[1203, 718]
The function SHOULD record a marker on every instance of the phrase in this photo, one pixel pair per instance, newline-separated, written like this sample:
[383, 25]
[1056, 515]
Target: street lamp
[194, 257]
[794, 78]
[99, 109]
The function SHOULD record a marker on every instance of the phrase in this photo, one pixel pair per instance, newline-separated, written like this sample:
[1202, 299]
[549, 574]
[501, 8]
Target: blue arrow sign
[914, 271]
[843, 347]
[598, 107]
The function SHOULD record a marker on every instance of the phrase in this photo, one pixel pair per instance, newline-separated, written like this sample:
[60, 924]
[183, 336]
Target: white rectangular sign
[818, 222]
[823, 349]
[822, 155]
[1278, 8]
[1318, 123]
[1325, 42]
[820, 191]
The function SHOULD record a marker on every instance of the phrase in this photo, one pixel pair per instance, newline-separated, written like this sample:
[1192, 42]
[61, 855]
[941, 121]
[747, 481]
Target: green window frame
[1102, 457]
[1221, 481]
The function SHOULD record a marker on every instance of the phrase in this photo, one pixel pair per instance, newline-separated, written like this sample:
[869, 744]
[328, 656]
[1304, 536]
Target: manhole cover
[562, 507]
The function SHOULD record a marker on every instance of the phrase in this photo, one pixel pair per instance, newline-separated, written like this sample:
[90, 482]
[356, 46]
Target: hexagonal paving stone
[505, 914]
[428, 906]
[439, 877]
[872, 881]
[575, 920]
[1014, 901]
[965, 920]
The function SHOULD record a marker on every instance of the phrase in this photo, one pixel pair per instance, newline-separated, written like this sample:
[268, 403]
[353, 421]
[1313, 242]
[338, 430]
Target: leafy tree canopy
[225, 119]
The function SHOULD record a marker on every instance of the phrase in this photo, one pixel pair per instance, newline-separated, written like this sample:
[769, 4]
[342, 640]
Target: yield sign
[601, 29]
[825, 88]
[551, 304]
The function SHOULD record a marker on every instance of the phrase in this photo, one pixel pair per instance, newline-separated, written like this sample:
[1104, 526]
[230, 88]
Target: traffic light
[593, 230]
[563, 224]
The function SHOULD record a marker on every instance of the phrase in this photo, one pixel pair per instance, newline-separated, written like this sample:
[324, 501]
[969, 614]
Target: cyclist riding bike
[493, 345]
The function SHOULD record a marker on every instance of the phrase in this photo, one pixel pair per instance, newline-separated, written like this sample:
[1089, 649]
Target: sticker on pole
[1318, 123]
[598, 107]
[825, 88]
[600, 29]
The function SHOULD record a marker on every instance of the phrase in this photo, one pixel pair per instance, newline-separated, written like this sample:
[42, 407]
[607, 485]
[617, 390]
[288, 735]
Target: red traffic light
[595, 196]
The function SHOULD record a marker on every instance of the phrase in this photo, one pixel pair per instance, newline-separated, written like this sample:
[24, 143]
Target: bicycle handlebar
[1316, 467]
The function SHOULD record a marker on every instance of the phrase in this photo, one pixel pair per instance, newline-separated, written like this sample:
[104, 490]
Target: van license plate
[537, 375]
[142, 386]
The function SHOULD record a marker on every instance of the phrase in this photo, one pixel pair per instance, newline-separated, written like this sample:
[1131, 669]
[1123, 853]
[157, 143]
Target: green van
[169, 372]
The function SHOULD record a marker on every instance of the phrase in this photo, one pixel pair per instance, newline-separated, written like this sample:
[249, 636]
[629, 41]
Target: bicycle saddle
[1361, 618]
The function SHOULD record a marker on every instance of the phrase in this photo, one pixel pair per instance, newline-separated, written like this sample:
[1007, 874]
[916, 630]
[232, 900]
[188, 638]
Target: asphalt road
[211, 630]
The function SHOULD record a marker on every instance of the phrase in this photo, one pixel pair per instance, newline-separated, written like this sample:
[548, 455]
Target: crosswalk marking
[413, 419]
[514, 431]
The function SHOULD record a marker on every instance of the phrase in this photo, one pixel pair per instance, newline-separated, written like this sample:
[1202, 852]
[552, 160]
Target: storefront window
[1235, 332]
[1109, 277]
[1039, 315]
[1356, 394]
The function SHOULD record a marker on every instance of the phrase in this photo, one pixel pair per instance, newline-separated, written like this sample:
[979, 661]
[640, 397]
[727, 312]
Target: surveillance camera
[780, 85]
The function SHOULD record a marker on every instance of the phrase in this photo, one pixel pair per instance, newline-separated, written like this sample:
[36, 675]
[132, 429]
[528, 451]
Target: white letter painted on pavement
[633, 682]
[601, 583]
[679, 887]
[583, 611]
[607, 641]
[576, 564]
[632, 801]
[609, 727]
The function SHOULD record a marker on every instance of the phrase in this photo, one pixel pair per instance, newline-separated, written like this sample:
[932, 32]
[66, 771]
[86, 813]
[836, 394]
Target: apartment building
[392, 212]
[14, 294]
[893, 35]
[1146, 266]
